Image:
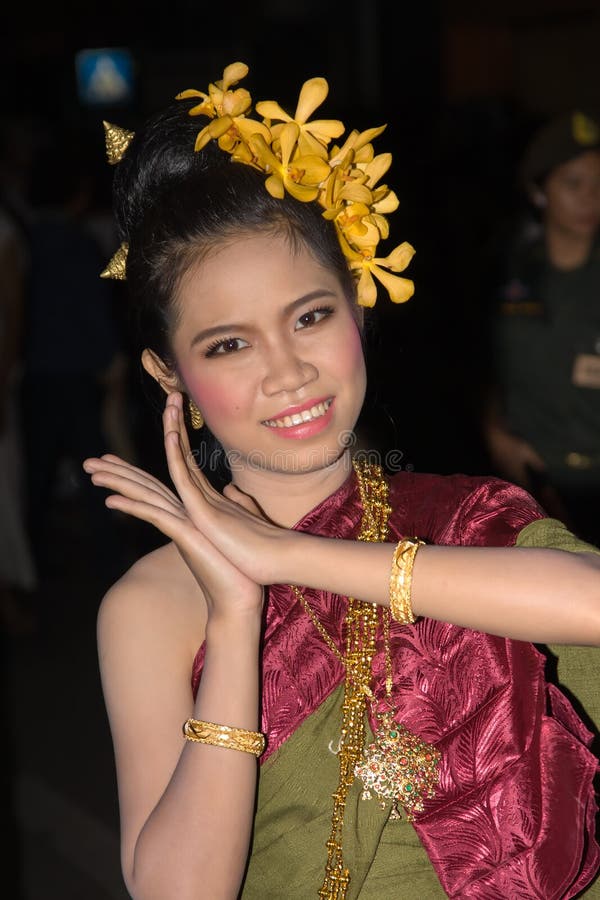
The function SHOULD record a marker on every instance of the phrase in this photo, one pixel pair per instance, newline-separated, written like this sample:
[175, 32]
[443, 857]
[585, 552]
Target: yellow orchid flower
[295, 155]
[359, 142]
[314, 136]
[224, 106]
[215, 129]
[232, 73]
[238, 134]
[376, 168]
[385, 201]
[380, 223]
[371, 267]
[366, 240]
[352, 220]
[299, 175]
[400, 289]
[206, 108]
[344, 185]
[220, 100]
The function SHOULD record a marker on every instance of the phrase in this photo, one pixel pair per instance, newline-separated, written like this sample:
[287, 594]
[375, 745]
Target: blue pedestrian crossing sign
[105, 76]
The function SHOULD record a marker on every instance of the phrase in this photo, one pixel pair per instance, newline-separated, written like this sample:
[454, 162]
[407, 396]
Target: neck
[567, 250]
[285, 497]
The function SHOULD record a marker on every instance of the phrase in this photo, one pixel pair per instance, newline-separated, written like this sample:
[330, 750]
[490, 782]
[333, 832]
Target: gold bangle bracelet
[224, 736]
[401, 580]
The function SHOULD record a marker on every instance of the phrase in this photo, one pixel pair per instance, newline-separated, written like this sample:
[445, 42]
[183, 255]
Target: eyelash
[212, 349]
[327, 310]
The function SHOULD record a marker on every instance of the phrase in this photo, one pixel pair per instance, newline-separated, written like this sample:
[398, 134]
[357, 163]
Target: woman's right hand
[513, 456]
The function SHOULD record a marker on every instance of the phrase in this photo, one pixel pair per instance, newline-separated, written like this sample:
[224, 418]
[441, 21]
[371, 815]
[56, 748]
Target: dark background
[461, 84]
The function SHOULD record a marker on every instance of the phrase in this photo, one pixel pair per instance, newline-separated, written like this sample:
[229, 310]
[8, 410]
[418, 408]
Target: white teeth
[319, 409]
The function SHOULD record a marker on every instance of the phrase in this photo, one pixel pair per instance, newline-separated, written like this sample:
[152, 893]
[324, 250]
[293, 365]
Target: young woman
[417, 754]
[543, 431]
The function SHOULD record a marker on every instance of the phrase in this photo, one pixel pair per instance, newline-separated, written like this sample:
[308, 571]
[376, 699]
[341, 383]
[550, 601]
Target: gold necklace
[397, 766]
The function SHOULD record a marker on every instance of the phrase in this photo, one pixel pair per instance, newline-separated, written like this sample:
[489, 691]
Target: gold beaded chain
[360, 645]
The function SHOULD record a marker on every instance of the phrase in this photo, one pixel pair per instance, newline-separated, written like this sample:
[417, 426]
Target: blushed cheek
[213, 397]
[352, 357]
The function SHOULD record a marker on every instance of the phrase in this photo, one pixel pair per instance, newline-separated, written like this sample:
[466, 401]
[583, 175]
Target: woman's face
[573, 195]
[269, 349]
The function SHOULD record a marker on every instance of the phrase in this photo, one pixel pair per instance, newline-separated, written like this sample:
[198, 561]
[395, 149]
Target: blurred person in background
[17, 572]
[72, 356]
[542, 427]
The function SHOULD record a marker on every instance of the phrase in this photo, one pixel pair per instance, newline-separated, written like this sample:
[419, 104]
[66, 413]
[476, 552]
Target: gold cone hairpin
[117, 141]
[195, 415]
[117, 265]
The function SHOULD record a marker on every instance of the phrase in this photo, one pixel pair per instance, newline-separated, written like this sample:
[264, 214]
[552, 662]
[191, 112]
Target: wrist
[292, 556]
[230, 627]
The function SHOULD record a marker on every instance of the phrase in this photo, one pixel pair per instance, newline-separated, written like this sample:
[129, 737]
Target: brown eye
[228, 345]
[313, 316]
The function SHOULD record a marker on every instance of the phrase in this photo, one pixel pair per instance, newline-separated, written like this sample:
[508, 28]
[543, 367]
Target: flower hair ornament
[298, 157]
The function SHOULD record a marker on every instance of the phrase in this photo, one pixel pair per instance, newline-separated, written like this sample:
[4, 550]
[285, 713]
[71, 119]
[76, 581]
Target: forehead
[250, 275]
[587, 163]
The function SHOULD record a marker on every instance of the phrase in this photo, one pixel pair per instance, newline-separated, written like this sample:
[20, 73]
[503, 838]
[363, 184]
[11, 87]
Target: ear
[167, 378]
[537, 197]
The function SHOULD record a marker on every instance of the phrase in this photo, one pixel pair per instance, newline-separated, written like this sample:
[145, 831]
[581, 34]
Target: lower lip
[305, 429]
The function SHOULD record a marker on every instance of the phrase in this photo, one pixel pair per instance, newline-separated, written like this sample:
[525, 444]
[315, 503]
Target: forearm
[195, 843]
[527, 594]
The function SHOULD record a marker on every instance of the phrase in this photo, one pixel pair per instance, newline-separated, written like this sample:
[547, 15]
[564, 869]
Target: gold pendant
[400, 767]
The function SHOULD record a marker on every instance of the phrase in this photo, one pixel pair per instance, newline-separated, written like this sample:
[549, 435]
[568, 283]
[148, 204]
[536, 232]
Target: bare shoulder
[156, 601]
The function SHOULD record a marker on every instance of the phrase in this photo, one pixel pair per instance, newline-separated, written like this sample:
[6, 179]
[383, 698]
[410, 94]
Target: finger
[174, 416]
[113, 459]
[135, 490]
[190, 488]
[233, 493]
[171, 524]
[535, 460]
[120, 468]
[188, 454]
[177, 528]
[186, 449]
[114, 463]
[186, 476]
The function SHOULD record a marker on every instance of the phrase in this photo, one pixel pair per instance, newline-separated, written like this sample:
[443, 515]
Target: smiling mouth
[307, 415]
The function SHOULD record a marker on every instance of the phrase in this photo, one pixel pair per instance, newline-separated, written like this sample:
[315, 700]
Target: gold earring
[195, 415]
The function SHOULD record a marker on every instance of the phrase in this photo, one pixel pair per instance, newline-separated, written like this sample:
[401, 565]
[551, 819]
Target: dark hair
[174, 204]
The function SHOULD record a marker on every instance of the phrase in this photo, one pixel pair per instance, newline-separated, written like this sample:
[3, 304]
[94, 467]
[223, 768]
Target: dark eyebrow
[230, 327]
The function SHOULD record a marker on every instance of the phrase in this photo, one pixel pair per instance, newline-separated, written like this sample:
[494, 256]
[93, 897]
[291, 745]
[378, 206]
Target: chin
[294, 461]
[585, 230]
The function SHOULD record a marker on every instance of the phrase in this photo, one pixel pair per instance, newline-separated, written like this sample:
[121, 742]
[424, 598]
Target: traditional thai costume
[514, 810]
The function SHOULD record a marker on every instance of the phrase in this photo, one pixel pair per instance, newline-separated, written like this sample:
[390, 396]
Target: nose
[286, 371]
